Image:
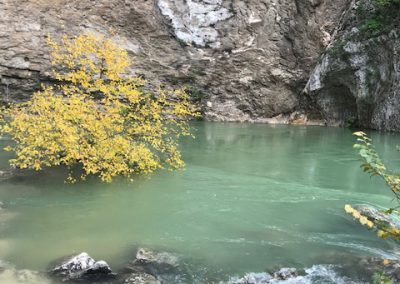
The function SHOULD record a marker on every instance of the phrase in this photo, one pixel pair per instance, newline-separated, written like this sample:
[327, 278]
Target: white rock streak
[193, 21]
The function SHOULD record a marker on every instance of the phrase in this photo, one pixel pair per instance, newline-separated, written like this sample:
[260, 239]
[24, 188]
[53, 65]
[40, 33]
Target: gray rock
[141, 278]
[378, 216]
[161, 258]
[82, 267]
[286, 273]
[166, 267]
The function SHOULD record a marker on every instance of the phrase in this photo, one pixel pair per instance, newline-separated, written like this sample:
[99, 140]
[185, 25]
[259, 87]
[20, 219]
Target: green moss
[337, 50]
[373, 25]
[380, 18]
[386, 3]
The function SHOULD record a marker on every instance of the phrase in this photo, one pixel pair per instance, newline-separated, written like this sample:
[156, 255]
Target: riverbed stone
[164, 266]
[141, 278]
[167, 260]
[377, 215]
[82, 267]
[10, 275]
[286, 273]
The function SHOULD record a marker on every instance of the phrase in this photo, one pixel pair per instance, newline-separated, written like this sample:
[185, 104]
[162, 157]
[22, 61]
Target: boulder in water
[82, 267]
[164, 259]
[378, 216]
[164, 266]
[141, 278]
[286, 273]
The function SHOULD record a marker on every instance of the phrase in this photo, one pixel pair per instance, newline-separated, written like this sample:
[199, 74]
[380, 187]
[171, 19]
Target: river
[251, 197]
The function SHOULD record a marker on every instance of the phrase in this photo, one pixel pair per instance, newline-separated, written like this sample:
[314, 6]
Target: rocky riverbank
[152, 267]
[149, 266]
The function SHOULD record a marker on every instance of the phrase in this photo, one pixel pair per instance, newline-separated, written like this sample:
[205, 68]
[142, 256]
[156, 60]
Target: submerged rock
[377, 215]
[163, 259]
[82, 267]
[164, 266]
[141, 278]
[10, 275]
[286, 273]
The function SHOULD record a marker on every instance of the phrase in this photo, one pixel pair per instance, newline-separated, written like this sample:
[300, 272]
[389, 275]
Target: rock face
[82, 268]
[243, 60]
[357, 80]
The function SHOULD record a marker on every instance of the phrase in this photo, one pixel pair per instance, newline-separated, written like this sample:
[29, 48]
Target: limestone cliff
[244, 60]
[357, 80]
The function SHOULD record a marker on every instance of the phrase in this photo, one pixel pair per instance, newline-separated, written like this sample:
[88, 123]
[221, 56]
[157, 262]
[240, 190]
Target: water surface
[252, 197]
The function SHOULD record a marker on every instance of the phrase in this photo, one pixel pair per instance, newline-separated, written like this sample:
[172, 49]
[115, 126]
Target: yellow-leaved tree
[96, 118]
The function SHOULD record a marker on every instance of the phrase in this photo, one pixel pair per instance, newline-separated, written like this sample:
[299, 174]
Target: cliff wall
[357, 80]
[246, 60]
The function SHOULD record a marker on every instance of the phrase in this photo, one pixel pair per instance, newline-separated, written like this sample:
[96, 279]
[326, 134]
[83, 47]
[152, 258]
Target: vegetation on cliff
[379, 18]
[95, 118]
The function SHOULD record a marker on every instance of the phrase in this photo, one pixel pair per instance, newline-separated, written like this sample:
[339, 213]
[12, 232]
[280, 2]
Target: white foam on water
[317, 274]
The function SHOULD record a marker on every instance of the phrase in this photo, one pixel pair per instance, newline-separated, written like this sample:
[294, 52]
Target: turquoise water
[252, 197]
